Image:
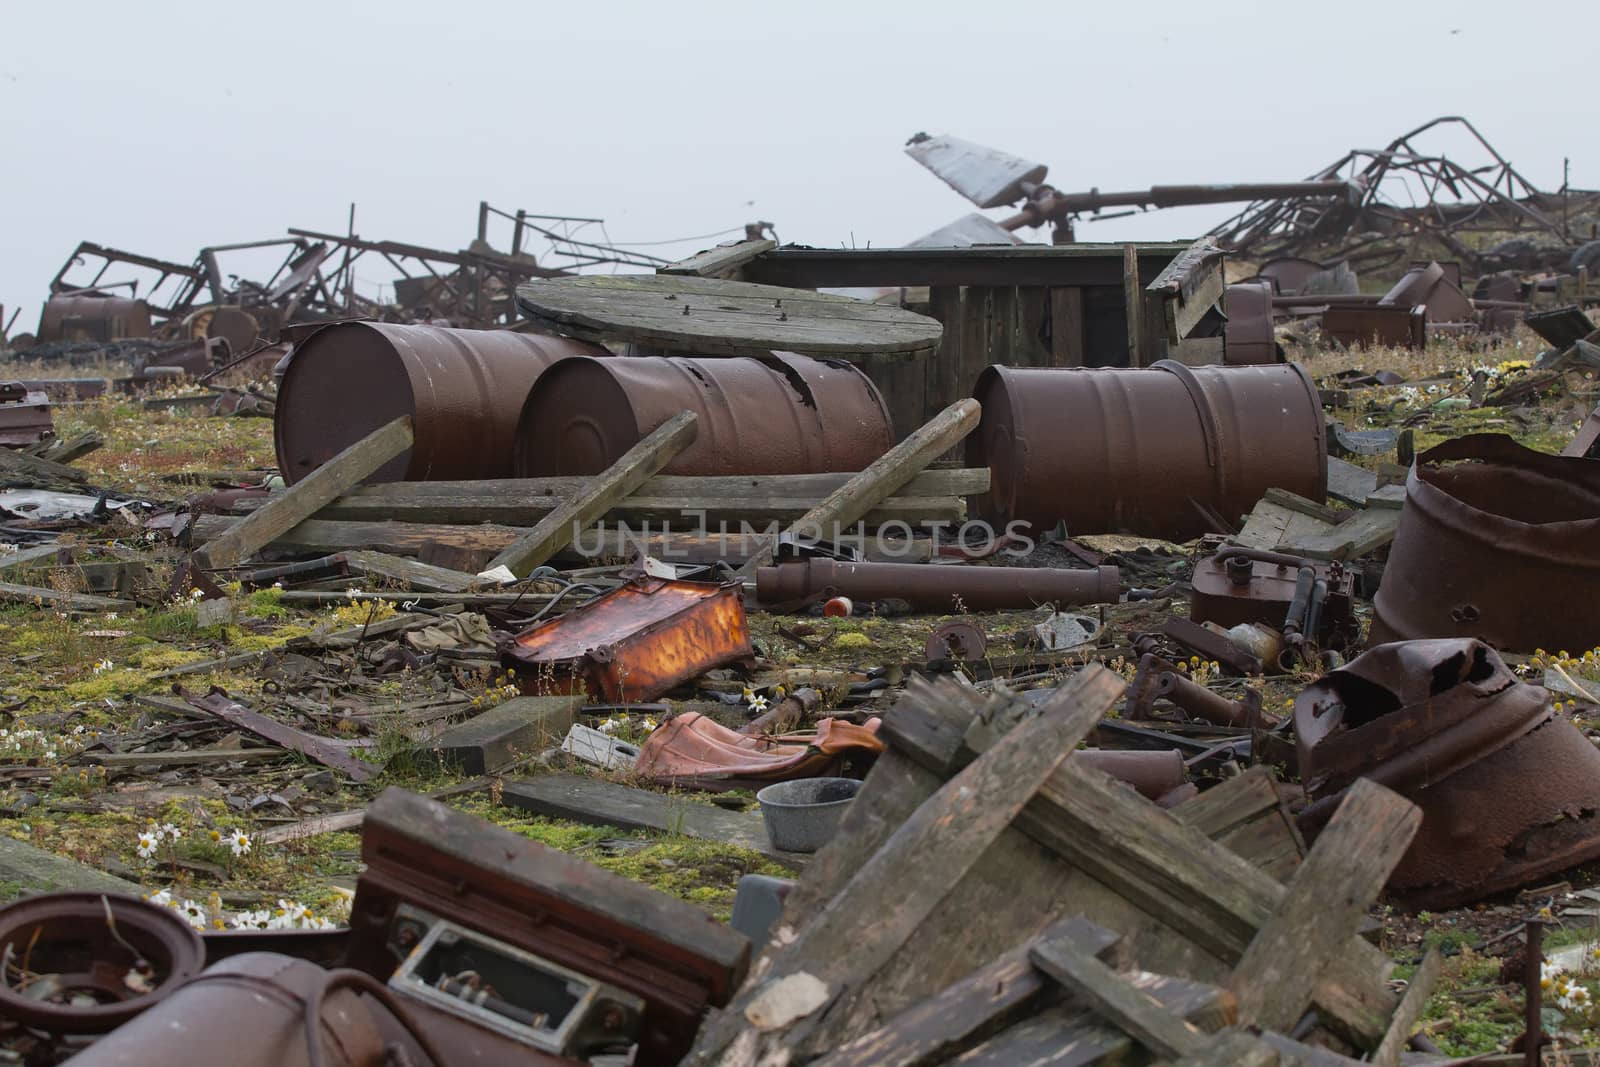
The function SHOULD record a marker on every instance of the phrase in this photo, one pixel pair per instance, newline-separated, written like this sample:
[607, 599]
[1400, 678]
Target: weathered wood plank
[302, 500]
[1100, 988]
[1349, 483]
[1188, 287]
[1418, 990]
[1066, 326]
[1323, 904]
[596, 802]
[556, 530]
[410, 573]
[1132, 296]
[1365, 531]
[33, 594]
[33, 869]
[722, 260]
[714, 315]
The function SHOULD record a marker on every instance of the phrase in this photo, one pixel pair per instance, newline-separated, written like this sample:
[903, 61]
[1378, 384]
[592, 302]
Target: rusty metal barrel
[777, 414]
[463, 389]
[1150, 451]
[937, 588]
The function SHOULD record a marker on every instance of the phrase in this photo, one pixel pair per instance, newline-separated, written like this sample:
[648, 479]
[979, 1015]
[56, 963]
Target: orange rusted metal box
[633, 643]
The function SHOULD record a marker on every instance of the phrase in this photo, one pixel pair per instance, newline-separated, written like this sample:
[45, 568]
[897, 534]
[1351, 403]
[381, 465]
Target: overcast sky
[159, 127]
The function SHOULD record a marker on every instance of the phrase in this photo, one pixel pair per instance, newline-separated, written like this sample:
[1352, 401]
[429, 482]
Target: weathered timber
[1100, 988]
[1188, 287]
[33, 594]
[303, 499]
[1361, 533]
[954, 1019]
[190, 758]
[339, 821]
[25, 557]
[317, 748]
[41, 470]
[600, 803]
[1418, 990]
[1323, 904]
[409, 573]
[497, 738]
[722, 260]
[558, 529]
[36, 870]
[1350, 483]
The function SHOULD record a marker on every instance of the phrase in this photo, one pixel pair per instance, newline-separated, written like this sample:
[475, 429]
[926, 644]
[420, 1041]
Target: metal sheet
[1355, 325]
[782, 414]
[634, 643]
[463, 389]
[1145, 451]
[986, 176]
[928, 587]
[1501, 548]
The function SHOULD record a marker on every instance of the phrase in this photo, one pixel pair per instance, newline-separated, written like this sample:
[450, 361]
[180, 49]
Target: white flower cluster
[28, 743]
[1566, 993]
[152, 837]
[613, 723]
[288, 915]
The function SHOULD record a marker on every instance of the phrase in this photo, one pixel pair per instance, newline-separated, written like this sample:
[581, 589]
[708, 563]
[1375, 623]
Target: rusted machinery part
[1147, 451]
[929, 587]
[80, 943]
[956, 640]
[1248, 336]
[1142, 690]
[254, 1009]
[1501, 548]
[1507, 787]
[780, 414]
[1153, 774]
[77, 316]
[1202, 703]
[463, 389]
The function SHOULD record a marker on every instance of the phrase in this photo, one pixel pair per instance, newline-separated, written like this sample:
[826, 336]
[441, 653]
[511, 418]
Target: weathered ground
[68, 681]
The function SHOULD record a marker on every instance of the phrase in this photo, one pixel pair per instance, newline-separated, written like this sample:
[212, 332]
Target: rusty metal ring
[33, 927]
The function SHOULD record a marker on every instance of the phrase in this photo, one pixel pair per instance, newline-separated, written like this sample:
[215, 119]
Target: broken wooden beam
[61, 599]
[321, 749]
[303, 499]
[558, 529]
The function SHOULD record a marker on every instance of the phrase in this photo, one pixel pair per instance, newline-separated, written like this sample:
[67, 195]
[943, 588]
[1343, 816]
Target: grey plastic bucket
[802, 815]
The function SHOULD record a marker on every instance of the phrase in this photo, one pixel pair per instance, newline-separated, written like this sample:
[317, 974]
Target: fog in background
[160, 127]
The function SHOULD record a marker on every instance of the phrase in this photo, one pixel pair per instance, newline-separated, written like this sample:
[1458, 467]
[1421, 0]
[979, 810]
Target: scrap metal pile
[1085, 722]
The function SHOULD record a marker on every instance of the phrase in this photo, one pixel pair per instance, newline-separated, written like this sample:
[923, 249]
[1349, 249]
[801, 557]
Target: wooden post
[306, 497]
[1418, 990]
[1133, 295]
[1133, 1012]
[557, 529]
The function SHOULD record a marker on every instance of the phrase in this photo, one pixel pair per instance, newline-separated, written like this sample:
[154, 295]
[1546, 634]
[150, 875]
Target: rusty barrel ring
[158, 933]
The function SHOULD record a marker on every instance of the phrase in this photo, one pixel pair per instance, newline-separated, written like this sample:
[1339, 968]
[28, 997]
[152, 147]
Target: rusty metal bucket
[1146, 451]
[780, 414]
[1508, 788]
[462, 388]
[1505, 548]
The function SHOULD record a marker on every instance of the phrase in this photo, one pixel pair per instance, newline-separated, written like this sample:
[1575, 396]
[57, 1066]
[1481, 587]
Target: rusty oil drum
[1145, 451]
[778, 414]
[463, 389]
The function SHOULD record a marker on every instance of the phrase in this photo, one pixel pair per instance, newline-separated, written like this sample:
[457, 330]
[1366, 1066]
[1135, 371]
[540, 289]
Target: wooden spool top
[710, 315]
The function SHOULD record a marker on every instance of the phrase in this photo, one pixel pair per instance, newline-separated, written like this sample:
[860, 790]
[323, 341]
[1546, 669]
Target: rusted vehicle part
[1585, 444]
[1354, 325]
[1475, 537]
[928, 587]
[786, 714]
[1508, 788]
[1212, 645]
[1243, 585]
[694, 752]
[957, 641]
[780, 414]
[1148, 451]
[1248, 338]
[428, 865]
[1153, 774]
[1202, 703]
[93, 317]
[1142, 690]
[90, 962]
[462, 388]
[326, 751]
[223, 501]
[635, 642]
[24, 416]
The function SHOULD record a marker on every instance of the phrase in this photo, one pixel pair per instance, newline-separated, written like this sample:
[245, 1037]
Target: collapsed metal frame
[1491, 196]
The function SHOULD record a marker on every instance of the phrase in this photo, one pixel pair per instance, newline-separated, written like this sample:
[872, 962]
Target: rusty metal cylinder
[1146, 451]
[1202, 703]
[779, 414]
[928, 587]
[247, 1010]
[463, 389]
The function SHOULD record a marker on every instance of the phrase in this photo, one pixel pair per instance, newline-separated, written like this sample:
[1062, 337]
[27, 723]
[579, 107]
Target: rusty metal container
[24, 416]
[634, 643]
[1148, 451]
[89, 317]
[462, 388]
[1504, 548]
[779, 414]
[1508, 788]
[928, 587]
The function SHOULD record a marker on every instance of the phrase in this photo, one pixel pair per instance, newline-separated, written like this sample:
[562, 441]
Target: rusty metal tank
[777, 414]
[92, 317]
[1497, 542]
[1147, 451]
[462, 388]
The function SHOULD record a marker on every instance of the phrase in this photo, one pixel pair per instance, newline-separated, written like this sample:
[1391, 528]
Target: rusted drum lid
[579, 423]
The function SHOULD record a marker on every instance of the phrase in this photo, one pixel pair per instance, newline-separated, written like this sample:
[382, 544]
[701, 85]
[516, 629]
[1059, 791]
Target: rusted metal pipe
[786, 714]
[1142, 690]
[1202, 703]
[1501, 549]
[463, 389]
[1533, 991]
[780, 414]
[937, 588]
[1147, 451]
